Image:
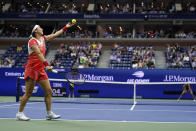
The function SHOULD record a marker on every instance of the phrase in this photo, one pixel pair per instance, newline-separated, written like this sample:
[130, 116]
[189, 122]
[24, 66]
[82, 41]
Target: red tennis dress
[35, 68]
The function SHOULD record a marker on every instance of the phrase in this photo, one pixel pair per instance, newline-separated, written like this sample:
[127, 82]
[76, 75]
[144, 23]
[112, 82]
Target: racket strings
[75, 77]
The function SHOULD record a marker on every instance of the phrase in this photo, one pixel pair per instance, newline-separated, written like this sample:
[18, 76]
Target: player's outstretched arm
[53, 36]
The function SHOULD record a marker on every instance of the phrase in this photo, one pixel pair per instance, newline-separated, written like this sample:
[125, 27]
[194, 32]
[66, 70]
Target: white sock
[49, 112]
[20, 112]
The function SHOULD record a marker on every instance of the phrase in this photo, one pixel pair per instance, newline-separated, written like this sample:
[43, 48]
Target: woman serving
[34, 70]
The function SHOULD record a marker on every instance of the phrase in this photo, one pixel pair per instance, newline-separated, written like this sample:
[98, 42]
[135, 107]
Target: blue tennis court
[75, 110]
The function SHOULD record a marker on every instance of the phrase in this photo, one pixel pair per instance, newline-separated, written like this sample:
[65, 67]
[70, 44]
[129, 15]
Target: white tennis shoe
[52, 116]
[21, 117]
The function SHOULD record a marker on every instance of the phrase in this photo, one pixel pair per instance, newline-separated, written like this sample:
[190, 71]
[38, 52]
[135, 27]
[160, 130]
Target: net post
[17, 89]
[134, 94]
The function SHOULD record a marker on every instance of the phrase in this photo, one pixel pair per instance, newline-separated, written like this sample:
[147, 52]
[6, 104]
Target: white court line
[124, 121]
[7, 102]
[13, 107]
[18, 104]
[91, 109]
[164, 111]
[71, 108]
[122, 109]
[96, 109]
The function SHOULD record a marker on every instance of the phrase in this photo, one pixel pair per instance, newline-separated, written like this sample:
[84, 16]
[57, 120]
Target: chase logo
[138, 74]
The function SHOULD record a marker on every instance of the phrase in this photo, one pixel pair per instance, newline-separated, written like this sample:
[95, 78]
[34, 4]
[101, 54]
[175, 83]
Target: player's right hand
[49, 68]
[68, 25]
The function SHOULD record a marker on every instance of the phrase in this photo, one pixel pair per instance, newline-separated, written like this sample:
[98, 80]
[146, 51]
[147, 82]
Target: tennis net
[62, 95]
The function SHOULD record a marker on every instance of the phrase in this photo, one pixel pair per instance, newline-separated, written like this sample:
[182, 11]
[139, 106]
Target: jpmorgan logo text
[98, 78]
[178, 78]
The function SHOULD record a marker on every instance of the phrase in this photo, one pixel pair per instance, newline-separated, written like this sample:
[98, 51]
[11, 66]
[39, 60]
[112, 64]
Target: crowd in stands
[178, 57]
[109, 7]
[7, 62]
[15, 56]
[14, 30]
[188, 35]
[80, 55]
[166, 33]
[106, 31]
[35, 6]
[87, 54]
[129, 57]
[166, 7]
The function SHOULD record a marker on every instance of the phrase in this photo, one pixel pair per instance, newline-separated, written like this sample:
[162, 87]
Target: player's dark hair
[32, 35]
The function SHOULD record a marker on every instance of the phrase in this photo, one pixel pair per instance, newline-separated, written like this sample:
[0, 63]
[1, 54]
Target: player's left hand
[68, 25]
[49, 68]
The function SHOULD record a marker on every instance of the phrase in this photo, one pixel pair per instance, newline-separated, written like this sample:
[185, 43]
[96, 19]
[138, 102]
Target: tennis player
[187, 88]
[34, 70]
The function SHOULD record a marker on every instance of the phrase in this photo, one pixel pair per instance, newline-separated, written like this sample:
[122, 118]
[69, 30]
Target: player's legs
[71, 90]
[183, 92]
[191, 92]
[45, 85]
[73, 94]
[29, 86]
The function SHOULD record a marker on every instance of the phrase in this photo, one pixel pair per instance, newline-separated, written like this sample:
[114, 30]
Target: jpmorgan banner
[8, 79]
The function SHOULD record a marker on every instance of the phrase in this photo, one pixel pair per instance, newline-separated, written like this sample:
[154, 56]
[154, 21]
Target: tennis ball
[73, 21]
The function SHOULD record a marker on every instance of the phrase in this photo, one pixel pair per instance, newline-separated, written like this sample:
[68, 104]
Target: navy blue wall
[8, 82]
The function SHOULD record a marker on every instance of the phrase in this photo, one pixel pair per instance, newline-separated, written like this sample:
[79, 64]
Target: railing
[124, 40]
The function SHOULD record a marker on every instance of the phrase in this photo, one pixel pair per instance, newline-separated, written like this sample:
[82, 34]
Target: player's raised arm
[53, 36]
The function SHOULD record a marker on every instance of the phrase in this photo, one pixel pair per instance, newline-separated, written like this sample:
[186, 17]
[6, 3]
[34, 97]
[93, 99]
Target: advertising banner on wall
[8, 81]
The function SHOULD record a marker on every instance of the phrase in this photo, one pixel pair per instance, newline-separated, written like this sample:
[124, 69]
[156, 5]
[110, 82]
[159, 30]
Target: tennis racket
[73, 77]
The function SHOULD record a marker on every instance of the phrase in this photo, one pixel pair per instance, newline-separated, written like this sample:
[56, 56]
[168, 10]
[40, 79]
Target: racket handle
[54, 71]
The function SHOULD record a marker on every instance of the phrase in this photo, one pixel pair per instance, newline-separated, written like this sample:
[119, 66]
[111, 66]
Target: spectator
[10, 61]
[7, 64]
[118, 56]
[93, 61]
[58, 63]
[186, 57]
[135, 63]
[192, 8]
[194, 64]
[83, 59]
[151, 63]
[140, 64]
[19, 48]
[86, 64]
[73, 53]
[113, 56]
[52, 63]
[1, 63]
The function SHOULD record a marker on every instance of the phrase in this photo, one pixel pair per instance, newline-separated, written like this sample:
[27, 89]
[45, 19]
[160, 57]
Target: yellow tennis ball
[73, 21]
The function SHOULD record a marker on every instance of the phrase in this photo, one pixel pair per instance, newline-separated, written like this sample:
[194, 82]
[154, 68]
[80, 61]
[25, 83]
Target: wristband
[45, 63]
[64, 28]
